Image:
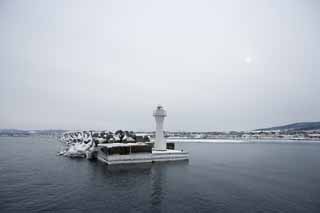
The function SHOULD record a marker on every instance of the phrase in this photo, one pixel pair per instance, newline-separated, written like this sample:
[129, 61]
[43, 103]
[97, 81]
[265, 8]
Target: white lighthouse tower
[159, 115]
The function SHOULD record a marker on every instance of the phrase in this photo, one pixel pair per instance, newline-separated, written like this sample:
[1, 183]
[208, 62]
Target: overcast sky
[213, 65]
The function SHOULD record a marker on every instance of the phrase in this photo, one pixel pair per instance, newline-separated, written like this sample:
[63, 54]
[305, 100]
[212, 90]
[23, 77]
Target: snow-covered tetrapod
[159, 115]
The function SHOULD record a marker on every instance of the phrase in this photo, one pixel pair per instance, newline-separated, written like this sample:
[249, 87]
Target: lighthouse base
[154, 156]
[169, 155]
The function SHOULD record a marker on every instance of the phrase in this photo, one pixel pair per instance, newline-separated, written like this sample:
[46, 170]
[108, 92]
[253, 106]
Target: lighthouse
[159, 114]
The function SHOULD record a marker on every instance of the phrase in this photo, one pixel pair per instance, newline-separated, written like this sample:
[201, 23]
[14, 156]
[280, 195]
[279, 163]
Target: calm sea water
[255, 177]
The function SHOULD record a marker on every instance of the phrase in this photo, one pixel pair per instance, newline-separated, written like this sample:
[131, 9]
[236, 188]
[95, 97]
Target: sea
[248, 177]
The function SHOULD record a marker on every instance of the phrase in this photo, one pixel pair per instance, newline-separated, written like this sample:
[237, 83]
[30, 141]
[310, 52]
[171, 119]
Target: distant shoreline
[194, 140]
[191, 140]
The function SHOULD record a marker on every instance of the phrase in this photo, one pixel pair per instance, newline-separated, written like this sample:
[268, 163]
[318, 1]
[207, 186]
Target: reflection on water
[157, 181]
[147, 181]
[131, 176]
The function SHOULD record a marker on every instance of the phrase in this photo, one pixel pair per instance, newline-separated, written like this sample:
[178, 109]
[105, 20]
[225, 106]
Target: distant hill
[302, 126]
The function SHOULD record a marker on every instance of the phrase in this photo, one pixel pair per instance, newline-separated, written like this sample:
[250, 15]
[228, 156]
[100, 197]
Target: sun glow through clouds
[248, 60]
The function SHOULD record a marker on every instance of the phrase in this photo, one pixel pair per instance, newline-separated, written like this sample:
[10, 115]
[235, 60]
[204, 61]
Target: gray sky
[214, 65]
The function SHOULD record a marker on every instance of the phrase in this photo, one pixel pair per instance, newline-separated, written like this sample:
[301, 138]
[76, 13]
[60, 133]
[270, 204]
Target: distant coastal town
[248, 135]
[308, 131]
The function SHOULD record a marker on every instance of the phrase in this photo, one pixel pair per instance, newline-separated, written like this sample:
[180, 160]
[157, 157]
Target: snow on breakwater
[78, 143]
